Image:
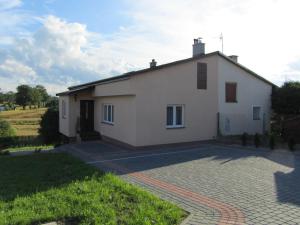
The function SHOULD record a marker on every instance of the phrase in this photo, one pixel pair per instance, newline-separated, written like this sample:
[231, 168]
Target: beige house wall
[119, 88]
[236, 118]
[64, 122]
[176, 85]
[124, 127]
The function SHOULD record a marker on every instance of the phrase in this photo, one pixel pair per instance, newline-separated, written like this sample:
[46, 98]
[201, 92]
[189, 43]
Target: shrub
[256, 140]
[52, 103]
[291, 143]
[7, 133]
[49, 130]
[244, 139]
[272, 141]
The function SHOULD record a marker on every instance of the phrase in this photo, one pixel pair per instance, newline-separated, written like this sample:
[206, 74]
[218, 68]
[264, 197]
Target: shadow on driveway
[287, 185]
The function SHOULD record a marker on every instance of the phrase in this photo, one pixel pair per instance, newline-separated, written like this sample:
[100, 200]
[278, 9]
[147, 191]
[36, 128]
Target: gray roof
[85, 86]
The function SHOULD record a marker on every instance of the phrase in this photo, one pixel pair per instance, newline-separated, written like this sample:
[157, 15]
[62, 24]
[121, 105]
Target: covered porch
[77, 114]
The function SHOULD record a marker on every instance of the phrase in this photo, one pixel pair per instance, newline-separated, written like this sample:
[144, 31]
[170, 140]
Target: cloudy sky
[60, 43]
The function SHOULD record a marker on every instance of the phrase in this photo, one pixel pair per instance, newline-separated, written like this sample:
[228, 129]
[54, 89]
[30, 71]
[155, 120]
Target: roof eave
[75, 91]
[246, 69]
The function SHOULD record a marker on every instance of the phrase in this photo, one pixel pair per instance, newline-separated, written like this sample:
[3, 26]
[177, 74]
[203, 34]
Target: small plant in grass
[244, 138]
[4, 152]
[256, 140]
[291, 143]
[37, 150]
[272, 141]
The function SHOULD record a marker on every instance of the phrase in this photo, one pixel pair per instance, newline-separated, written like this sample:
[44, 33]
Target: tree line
[27, 96]
[286, 111]
[286, 99]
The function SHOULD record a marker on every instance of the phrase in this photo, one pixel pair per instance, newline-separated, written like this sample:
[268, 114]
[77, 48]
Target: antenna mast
[222, 42]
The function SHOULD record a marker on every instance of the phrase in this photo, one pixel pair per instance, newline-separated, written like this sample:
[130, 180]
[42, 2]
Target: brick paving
[217, 185]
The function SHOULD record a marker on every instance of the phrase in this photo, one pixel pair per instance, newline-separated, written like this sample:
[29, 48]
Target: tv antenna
[222, 41]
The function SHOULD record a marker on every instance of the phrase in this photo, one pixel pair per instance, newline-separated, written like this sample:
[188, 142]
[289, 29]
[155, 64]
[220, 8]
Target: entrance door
[86, 115]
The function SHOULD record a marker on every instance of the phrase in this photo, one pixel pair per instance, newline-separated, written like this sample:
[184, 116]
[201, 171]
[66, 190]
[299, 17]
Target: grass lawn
[26, 122]
[48, 187]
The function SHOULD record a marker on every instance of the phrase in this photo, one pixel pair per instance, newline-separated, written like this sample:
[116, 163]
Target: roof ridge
[145, 70]
[131, 73]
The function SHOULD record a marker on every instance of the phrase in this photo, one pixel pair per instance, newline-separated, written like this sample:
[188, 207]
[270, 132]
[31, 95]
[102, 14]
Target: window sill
[232, 102]
[175, 127]
[108, 123]
[256, 119]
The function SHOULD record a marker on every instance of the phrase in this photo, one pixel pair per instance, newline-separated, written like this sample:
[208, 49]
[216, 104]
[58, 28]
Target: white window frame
[106, 107]
[63, 109]
[260, 112]
[174, 125]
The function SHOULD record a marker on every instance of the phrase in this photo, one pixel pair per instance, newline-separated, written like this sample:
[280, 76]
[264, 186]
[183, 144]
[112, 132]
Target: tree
[49, 130]
[23, 95]
[8, 97]
[36, 97]
[44, 95]
[286, 99]
[1, 97]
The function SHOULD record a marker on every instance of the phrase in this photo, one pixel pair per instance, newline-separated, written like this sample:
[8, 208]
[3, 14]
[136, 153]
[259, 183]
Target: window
[174, 116]
[201, 75]
[63, 109]
[256, 112]
[108, 113]
[230, 92]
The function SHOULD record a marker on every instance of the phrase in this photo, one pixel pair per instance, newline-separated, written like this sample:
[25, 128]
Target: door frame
[86, 115]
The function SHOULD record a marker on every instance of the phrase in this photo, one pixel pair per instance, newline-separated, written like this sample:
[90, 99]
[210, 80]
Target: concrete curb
[187, 219]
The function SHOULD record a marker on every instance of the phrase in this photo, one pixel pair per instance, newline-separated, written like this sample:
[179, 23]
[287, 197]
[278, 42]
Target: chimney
[198, 47]
[153, 63]
[234, 58]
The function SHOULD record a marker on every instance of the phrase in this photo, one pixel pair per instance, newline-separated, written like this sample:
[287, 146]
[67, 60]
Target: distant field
[26, 122]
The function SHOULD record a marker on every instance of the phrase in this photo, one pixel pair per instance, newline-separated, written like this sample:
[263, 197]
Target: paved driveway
[216, 184]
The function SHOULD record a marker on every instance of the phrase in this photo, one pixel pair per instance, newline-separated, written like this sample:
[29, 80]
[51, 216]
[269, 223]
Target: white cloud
[13, 21]
[11, 68]
[13, 72]
[8, 4]
[263, 33]
[58, 55]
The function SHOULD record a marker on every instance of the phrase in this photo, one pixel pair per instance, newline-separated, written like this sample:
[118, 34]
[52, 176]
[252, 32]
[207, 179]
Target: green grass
[48, 187]
[29, 148]
[25, 122]
[33, 121]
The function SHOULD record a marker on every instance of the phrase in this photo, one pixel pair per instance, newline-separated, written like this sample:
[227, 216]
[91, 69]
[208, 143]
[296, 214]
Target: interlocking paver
[262, 186]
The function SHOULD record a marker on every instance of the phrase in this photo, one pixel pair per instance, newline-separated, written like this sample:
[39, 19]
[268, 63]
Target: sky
[60, 43]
